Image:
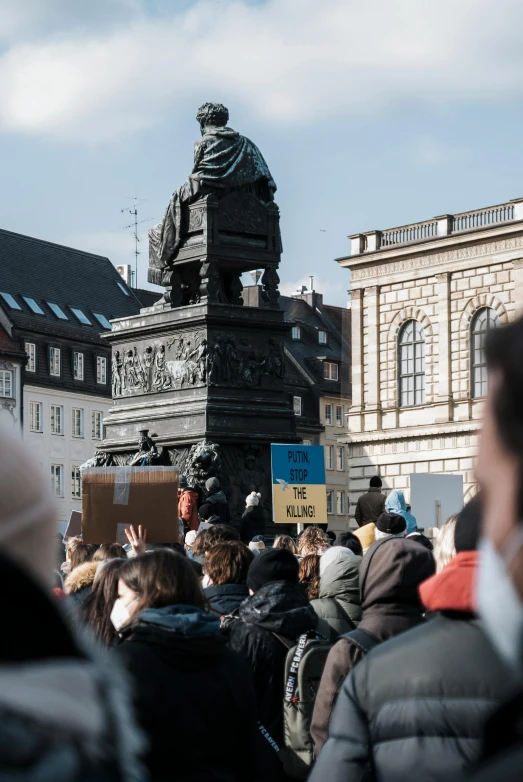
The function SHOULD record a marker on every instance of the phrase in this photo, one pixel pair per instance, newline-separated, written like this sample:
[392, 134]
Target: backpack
[303, 670]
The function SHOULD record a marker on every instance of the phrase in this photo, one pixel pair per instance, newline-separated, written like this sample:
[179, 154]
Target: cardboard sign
[117, 497]
[74, 527]
[299, 494]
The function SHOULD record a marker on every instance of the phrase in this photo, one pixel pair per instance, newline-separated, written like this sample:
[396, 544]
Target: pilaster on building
[423, 297]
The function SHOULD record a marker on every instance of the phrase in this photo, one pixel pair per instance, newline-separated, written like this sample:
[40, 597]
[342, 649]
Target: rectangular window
[329, 457]
[296, 333]
[102, 320]
[57, 479]
[30, 349]
[57, 419]
[6, 383]
[58, 311]
[96, 425]
[101, 369]
[328, 414]
[340, 457]
[76, 483]
[323, 337]
[55, 361]
[330, 371]
[297, 403]
[35, 416]
[78, 361]
[339, 415]
[306, 442]
[10, 301]
[31, 303]
[78, 422]
[330, 501]
[340, 503]
[80, 316]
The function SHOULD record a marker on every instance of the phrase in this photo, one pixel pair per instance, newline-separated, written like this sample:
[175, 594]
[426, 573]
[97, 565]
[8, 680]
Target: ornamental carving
[242, 213]
[435, 259]
[195, 219]
[188, 361]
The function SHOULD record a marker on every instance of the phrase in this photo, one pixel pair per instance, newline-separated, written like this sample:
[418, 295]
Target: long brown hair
[162, 578]
[99, 604]
[80, 552]
[109, 551]
[309, 575]
[285, 541]
[228, 563]
[312, 541]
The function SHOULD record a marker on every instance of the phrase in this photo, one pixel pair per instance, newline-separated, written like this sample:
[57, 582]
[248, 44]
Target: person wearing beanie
[277, 607]
[215, 502]
[371, 504]
[188, 505]
[428, 714]
[58, 698]
[257, 546]
[253, 518]
[390, 524]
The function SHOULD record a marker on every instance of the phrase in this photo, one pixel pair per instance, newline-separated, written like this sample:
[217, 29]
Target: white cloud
[284, 60]
[333, 293]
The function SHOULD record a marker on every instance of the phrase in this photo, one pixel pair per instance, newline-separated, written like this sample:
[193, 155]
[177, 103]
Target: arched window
[411, 364]
[484, 320]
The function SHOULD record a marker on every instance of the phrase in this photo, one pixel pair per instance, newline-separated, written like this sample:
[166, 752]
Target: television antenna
[133, 211]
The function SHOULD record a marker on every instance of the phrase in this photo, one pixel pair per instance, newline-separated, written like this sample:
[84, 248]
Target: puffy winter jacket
[79, 583]
[216, 505]
[226, 598]
[188, 508]
[413, 709]
[339, 594]
[252, 523]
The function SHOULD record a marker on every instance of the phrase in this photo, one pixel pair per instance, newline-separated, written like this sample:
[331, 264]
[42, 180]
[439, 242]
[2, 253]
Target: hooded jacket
[188, 508]
[339, 592]
[395, 503]
[369, 507]
[193, 696]
[390, 574]
[226, 598]
[216, 505]
[278, 607]
[414, 708]
[252, 523]
[79, 582]
[64, 714]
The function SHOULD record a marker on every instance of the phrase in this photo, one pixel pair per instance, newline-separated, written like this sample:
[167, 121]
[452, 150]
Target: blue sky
[369, 114]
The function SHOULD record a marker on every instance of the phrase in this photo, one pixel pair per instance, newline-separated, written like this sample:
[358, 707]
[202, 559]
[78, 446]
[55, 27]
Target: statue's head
[214, 114]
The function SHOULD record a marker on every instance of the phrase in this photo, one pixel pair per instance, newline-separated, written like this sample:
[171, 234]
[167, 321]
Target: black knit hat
[468, 526]
[273, 564]
[391, 523]
[375, 482]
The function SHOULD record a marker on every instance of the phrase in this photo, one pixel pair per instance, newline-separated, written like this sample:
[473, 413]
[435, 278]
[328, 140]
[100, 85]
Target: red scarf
[454, 588]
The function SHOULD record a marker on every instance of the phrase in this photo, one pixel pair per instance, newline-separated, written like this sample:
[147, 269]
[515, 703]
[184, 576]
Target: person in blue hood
[194, 696]
[395, 503]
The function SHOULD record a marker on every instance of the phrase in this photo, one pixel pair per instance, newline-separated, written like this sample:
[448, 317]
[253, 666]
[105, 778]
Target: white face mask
[499, 606]
[120, 615]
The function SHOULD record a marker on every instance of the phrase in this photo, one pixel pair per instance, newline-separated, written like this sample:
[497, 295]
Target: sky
[369, 114]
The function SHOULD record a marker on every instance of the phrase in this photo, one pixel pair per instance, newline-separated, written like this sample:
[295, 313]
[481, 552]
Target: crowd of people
[372, 655]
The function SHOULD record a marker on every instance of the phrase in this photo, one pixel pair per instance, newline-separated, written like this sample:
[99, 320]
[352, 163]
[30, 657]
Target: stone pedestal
[207, 381]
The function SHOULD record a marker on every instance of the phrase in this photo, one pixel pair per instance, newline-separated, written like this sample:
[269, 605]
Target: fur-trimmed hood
[81, 577]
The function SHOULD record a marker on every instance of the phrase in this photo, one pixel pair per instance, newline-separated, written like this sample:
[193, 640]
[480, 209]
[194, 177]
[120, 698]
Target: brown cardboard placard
[74, 527]
[115, 496]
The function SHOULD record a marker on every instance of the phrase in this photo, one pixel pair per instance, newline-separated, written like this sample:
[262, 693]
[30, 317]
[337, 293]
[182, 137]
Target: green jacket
[339, 594]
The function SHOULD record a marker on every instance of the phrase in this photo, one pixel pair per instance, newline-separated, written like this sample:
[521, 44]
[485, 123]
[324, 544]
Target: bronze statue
[224, 162]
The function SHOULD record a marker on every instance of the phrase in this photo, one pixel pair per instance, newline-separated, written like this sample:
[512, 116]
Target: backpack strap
[362, 639]
[343, 613]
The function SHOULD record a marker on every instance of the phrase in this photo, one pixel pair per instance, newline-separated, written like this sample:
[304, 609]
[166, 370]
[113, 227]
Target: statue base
[207, 381]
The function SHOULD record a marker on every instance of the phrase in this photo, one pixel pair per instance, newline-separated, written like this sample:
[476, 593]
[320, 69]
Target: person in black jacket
[389, 576]
[194, 696]
[277, 607]
[215, 503]
[226, 567]
[414, 708]
[253, 519]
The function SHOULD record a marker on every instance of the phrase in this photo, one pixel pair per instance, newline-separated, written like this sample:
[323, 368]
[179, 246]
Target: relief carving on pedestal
[187, 360]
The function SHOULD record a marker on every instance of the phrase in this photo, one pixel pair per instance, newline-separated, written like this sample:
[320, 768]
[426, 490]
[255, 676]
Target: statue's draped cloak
[223, 159]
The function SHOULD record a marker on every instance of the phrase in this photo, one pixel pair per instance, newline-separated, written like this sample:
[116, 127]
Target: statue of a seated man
[224, 161]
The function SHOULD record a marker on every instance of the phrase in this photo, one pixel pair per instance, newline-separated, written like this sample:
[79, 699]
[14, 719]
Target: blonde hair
[285, 541]
[313, 541]
[444, 546]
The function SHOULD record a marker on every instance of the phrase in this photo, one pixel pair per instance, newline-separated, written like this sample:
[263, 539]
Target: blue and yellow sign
[299, 495]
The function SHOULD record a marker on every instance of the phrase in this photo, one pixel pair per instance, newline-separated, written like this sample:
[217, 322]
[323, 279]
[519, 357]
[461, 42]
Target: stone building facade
[423, 296]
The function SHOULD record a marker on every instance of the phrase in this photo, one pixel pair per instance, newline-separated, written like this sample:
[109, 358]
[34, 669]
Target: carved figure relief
[238, 365]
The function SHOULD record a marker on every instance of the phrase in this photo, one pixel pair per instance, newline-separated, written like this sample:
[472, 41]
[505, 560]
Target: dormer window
[296, 333]
[323, 337]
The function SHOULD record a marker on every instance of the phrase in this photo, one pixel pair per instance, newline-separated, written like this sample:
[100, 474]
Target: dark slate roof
[8, 347]
[147, 297]
[66, 277]
[308, 353]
